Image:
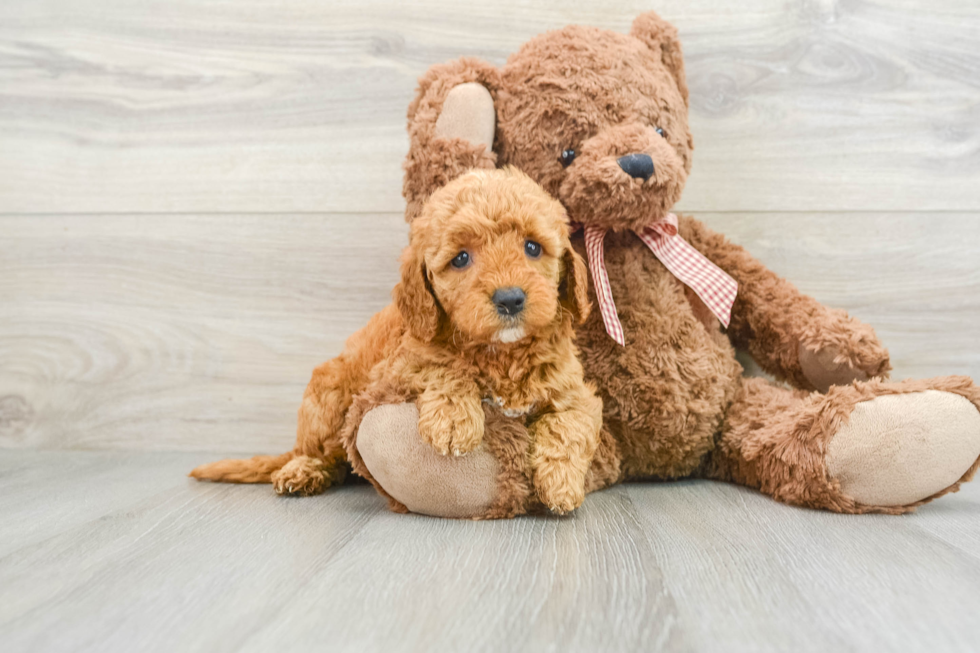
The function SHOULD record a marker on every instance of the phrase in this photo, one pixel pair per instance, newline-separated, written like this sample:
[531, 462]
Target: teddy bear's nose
[638, 166]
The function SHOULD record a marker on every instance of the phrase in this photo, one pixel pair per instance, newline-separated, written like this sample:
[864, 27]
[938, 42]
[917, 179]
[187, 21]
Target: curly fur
[440, 343]
[675, 402]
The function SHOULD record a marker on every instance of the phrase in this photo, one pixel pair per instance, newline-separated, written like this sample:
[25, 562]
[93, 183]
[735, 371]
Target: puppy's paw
[301, 476]
[452, 427]
[559, 485]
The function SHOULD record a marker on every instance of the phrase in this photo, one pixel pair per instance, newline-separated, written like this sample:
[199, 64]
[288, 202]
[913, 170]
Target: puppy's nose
[638, 166]
[509, 301]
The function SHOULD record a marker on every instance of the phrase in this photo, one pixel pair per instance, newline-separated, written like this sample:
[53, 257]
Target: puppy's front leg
[564, 443]
[450, 414]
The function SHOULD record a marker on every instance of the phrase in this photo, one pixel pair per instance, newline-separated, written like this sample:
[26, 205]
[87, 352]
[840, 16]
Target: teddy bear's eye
[661, 132]
[461, 260]
[566, 158]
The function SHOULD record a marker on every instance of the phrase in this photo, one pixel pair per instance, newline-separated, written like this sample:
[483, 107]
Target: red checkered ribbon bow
[712, 284]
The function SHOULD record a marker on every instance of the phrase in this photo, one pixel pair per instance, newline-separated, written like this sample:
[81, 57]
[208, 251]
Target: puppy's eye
[461, 260]
[566, 158]
[532, 248]
[661, 132]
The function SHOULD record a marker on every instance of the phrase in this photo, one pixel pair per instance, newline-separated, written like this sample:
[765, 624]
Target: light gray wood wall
[200, 199]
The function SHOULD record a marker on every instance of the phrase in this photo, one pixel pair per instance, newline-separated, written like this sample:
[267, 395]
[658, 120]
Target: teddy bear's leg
[489, 482]
[865, 447]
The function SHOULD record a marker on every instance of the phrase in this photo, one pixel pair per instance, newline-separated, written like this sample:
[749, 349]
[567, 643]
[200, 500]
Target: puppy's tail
[253, 470]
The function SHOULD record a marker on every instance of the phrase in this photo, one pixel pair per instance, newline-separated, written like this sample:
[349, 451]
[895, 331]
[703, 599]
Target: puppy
[484, 312]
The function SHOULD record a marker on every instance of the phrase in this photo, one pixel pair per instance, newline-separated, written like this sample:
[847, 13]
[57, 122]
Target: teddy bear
[600, 120]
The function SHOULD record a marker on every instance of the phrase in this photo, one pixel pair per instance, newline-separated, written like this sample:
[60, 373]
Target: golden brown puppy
[484, 311]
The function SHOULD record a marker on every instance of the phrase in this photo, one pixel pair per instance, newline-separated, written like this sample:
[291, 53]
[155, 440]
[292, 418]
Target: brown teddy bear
[600, 120]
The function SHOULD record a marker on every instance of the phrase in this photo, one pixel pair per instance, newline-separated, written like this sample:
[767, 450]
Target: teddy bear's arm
[451, 125]
[791, 335]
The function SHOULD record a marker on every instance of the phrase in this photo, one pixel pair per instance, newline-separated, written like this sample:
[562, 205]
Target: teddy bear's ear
[451, 126]
[661, 37]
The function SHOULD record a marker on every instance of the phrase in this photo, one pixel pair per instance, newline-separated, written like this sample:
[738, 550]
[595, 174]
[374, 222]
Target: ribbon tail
[715, 287]
[718, 298]
[594, 239]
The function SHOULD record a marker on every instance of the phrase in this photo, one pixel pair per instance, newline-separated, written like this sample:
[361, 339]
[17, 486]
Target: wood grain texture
[164, 332]
[122, 553]
[202, 567]
[200, 332]
[758, 576]
[298, 105]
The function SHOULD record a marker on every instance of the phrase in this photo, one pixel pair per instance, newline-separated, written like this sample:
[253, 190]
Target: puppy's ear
[414, 297]
[574, 284]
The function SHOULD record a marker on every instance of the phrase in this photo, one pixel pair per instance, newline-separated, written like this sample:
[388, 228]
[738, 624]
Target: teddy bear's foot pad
[468, 113]
[896, 450]
[417, 475]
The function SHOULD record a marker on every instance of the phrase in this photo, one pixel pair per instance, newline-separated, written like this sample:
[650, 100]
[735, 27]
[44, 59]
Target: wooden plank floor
[113, 551]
